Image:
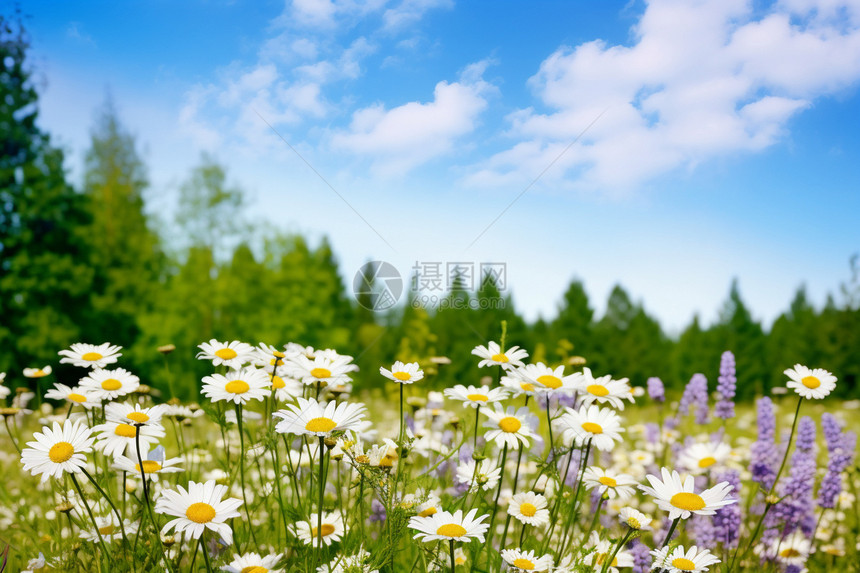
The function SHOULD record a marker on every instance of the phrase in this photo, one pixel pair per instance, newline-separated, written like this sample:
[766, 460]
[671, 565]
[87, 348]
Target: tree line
[89, 263]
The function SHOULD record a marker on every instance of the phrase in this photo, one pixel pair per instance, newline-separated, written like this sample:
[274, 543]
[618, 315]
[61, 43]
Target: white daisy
[678, 560]
[117, 438]
[37, 372]
[133, 413]
[233, 354]
[602, 549]
[253, 563]
[492, 355]
[792, 550]
[445, 526]
[702, 458]
[4, 390]
[601, 426]
[634, 519]
[154, 464]
[475, 396]
[681, 500]
[529, 507]
[485, 477]
[76, 396]
[268, 357]
[330, 531]
[403, 373]
[286, 388]
[90, 355]
[324, 368]
[57, 450]
[238, 386]
[609, 482]
[197, 509]
[109, 384]
[510, 426]
[520, 560]
[319, 419]
[518, 385]
[602, 390]
[547, 379]
[811, 384]
[109, 529]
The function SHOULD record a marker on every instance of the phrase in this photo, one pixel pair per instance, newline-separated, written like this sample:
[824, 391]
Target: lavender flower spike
[726, 386]
[656, 391]
[764, 456]
[840, 448]
[695, 396]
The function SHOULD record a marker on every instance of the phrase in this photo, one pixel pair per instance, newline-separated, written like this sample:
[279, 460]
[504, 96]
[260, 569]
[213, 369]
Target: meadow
[279, 466]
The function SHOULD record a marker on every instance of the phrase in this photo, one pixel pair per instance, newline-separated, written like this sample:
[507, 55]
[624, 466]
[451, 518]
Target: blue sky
[723, 138]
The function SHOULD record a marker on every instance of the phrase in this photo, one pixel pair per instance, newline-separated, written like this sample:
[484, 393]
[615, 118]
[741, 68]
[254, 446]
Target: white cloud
[701, 79]
[402, 137]
[410, 11]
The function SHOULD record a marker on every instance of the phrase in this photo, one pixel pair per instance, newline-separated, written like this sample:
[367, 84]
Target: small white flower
[445, 526]
[681, 500]
[403, 373]
[233, 354]
[90, 355]
[475, 396]
[58, 450]
[679, 560]
[330, 531]
[202, 506]
[521, 560]
[238, 386]
[811, 384]
[492, 355]
[529, 507]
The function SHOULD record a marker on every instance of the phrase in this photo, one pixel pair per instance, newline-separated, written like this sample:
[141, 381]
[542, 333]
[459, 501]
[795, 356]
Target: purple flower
[695, 396]
[764, 456]
[726, 386]
[702, 529]
[795, 509]
[377, 511]
[656, 391]
[727, 520]
[641, 556]
[840, 453]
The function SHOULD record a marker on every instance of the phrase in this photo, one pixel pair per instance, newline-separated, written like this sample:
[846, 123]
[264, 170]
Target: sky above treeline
[669, 145]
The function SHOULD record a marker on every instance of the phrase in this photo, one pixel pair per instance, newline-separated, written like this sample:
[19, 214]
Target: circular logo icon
[377, 286]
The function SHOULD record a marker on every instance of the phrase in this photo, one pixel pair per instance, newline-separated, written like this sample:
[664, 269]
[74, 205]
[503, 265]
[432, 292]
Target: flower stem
[205, 555]
[14, 443]
[90, 513]
[242, 473]
[451, 548]
[320, 503]
[496, 501]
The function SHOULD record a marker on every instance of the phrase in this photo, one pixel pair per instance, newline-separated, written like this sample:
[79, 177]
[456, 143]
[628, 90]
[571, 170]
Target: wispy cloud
[702, 79]
[75, 32]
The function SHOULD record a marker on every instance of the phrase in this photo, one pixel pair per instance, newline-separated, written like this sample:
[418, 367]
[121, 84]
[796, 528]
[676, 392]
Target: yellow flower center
[810, 382]
[607, 481]
[111, 384]
[789, 552]
[92, 356]
[200, 512]
[451, 530]
[322, 425]
[523, 563]
[61, 452]
[321, 373]
[687, 501]
[124, 430]
[79, 398]
[634, 523]
[510, 424]
[278, 383]
[254, 569]
[528, 509]
[402, 376]
[683, 564]
[276, 362]
[527, 387]
[107, 530]
[427, 512]
[138, 417]
[597, 390]
[237, 387]
[500, 357]
[477, 397]
[550, 381]
[592, 428]
[149, 466]
[707, 462]
[226, 353]
[601, 558]
[327, 529]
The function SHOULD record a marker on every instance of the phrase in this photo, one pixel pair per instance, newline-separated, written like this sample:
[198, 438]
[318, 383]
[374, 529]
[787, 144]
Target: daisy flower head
[547, 380]
[324, 369]
[493, 355]
[445, 526]
[90, 355]
[230, 354]
[4, 391]
[608, 482]
[268, 357]
[680, 498]
[127, 413]
[116, 438]
[101, 385]
[108, 529]
[330, 531]
[600, 426]
[603, 390]
[286, 388]
[253, 563]
[154, 464]
[484, 477]
[509, 426]
[518, 384]
[520, 560]
[75, 396]
[238, 386]
[812, 384]
[202, 506]
[602, 549]
[475, 396]
[634, 519]
[529, 507]
[309, 417]
[679, 560]
[702, 458]
[403, 373]
[58, 450]
[37, 372]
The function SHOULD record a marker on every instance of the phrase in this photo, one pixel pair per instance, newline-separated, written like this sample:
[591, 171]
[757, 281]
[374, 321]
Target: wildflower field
[279, 466]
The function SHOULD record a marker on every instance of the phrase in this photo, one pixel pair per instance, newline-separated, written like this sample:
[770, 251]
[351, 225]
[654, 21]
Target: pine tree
[574, 323]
